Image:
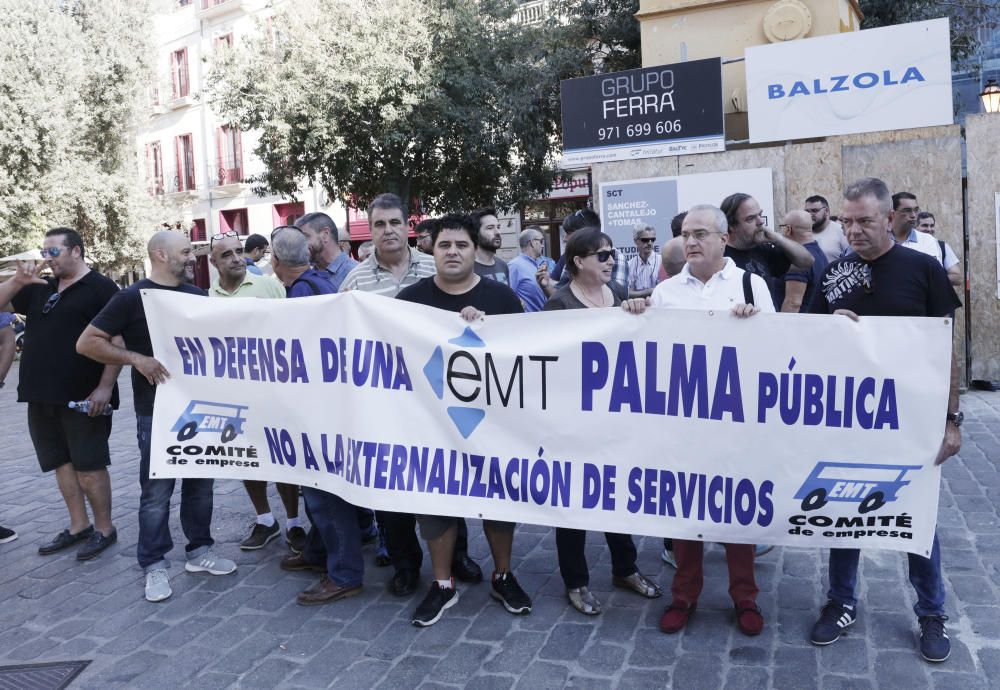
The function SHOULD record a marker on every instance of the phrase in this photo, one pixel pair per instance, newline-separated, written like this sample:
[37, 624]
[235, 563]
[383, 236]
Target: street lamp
[991, 97]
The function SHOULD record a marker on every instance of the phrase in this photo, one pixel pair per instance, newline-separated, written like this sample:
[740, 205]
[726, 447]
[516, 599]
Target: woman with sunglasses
[590, 258]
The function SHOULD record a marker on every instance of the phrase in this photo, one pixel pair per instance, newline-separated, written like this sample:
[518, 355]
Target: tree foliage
[71, 75]
[967, 17]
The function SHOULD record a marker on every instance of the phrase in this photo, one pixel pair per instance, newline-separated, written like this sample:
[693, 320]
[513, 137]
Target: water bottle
[84, 407]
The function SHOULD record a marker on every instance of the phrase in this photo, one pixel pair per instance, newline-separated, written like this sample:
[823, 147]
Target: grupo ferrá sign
[641, 113]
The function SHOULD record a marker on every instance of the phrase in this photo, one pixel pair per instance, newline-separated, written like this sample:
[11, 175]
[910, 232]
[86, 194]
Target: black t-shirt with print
[901, 282]
[487, 296]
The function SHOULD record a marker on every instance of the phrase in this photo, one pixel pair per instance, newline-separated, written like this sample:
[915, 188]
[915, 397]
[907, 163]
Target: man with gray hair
[324, 250]
[882, 277]
[644, 267]
[290, 261]
[524, 267]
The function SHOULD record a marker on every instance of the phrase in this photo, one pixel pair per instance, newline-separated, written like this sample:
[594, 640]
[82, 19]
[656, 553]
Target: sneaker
[832, 620]
[761, 549]
[157, 585]
[7, 535]
[208, 562]
[509, 593]
[296, 539]
[934, 643]
[96, 544]
[432, 607]
[668, 557]
[260, 536]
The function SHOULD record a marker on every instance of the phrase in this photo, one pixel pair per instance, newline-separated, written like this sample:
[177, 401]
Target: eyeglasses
[51, 302]
[603, 255]
[910, 211]
[284, 227]
[224, 235]
[698, 235]
[646, 239]
[51, 251]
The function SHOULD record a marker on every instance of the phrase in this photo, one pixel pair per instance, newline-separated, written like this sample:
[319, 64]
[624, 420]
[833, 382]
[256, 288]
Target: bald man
[796, 288]
[172, 261]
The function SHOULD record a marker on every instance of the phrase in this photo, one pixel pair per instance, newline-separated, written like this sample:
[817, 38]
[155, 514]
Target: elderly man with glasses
[52, 375]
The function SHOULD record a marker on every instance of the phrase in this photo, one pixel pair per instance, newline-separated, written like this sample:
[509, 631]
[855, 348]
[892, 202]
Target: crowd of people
[879, 257]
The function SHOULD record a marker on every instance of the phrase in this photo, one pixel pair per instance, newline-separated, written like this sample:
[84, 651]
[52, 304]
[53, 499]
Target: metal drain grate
[53, 676]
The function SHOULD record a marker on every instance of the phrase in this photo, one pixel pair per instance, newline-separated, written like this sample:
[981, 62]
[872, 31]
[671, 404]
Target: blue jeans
[154, 509]
[335, 531]
[925, 576]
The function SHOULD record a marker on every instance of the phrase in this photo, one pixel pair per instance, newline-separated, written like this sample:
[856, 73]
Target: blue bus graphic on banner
[202, 416]
[871, 486]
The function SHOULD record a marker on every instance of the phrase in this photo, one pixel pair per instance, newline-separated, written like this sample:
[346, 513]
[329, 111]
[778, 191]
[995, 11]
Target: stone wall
[926, 161]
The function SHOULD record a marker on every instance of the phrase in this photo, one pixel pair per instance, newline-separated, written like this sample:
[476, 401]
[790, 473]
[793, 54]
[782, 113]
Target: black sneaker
[7, 535]
[934, 643]
[509, 593]
[96, 544]
[832, 620]
[64, 540]
[260, 536]
[296, 539]
[432, 607]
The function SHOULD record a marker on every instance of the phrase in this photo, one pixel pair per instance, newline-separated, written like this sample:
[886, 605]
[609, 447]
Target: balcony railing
[182, 180]
[533, 12]
[228, 170]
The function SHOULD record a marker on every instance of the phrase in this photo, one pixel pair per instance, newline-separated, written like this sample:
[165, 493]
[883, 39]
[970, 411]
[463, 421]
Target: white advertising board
[895, 77]
[656, 200]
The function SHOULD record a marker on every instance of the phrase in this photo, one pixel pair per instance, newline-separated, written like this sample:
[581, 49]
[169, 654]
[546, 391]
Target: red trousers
[689, 577]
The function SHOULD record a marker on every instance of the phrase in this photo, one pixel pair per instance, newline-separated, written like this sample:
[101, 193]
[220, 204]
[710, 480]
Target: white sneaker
[668, 557]
[208, 562]
[157, 585]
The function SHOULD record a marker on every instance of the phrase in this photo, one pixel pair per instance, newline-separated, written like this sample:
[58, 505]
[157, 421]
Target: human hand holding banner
[780, 429]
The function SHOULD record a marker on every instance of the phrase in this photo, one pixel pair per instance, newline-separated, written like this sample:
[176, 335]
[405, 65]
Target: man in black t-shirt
[172, 261]
[757, 249]
[456, 287]
[881, 278]
[73, 443]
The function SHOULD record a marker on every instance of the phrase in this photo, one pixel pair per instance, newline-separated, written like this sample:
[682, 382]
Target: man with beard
[172, 263]
[487, 263]
[829, 233]
[324, 249]
[52, 374]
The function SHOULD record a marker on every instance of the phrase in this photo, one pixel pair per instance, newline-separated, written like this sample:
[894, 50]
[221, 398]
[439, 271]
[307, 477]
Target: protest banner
[655, 200]
[666, 110]
[893, 77]
[800, 430]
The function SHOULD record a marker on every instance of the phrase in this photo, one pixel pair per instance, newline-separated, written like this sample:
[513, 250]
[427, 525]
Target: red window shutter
[184, 73]
[238, 152]
[180, 165]
[221, 166]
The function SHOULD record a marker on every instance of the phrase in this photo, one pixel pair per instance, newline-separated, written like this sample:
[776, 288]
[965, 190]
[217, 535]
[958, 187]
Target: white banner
[780, 429]
[895, 77]
[656, 200]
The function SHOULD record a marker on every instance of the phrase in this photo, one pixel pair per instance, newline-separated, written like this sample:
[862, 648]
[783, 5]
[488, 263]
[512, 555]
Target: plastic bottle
[84, 407]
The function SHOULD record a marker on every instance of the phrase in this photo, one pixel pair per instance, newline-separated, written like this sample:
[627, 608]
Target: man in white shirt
[927, 223]
[644, 267]
[829, 233]
[904, 226]
[710, 280]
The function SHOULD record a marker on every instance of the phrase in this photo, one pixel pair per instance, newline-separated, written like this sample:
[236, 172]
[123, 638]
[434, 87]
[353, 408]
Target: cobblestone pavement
[245, 630]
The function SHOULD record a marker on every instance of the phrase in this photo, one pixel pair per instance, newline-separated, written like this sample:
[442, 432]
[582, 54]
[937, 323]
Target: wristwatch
[956, 418]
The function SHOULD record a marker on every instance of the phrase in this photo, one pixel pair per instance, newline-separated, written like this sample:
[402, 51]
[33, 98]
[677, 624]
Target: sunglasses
[51, 251]
[647, 240]
[51, 302]
[603, 255]
[224, 235]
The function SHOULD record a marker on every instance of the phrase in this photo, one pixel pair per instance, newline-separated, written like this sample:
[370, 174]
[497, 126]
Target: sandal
[638, 583]
[584, 601]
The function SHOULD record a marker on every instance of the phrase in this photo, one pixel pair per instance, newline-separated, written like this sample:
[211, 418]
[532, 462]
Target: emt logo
[202, 416]
[870, 486]
[472, 376]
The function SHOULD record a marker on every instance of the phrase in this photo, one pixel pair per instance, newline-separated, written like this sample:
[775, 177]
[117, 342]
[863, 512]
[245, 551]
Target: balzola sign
[642, 113]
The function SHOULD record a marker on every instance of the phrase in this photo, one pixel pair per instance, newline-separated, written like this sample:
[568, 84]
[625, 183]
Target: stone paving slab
[246, 631]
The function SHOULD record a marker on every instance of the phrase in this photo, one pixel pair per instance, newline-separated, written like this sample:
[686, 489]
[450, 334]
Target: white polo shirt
[723, 290]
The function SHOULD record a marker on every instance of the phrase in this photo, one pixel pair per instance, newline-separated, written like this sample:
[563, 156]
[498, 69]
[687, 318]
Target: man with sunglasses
[52, 375]
[644, 267]
[882, 278]
[172, 264]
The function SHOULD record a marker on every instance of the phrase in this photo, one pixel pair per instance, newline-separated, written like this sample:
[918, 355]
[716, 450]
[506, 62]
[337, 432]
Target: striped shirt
[643, 274]
[371, 276]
